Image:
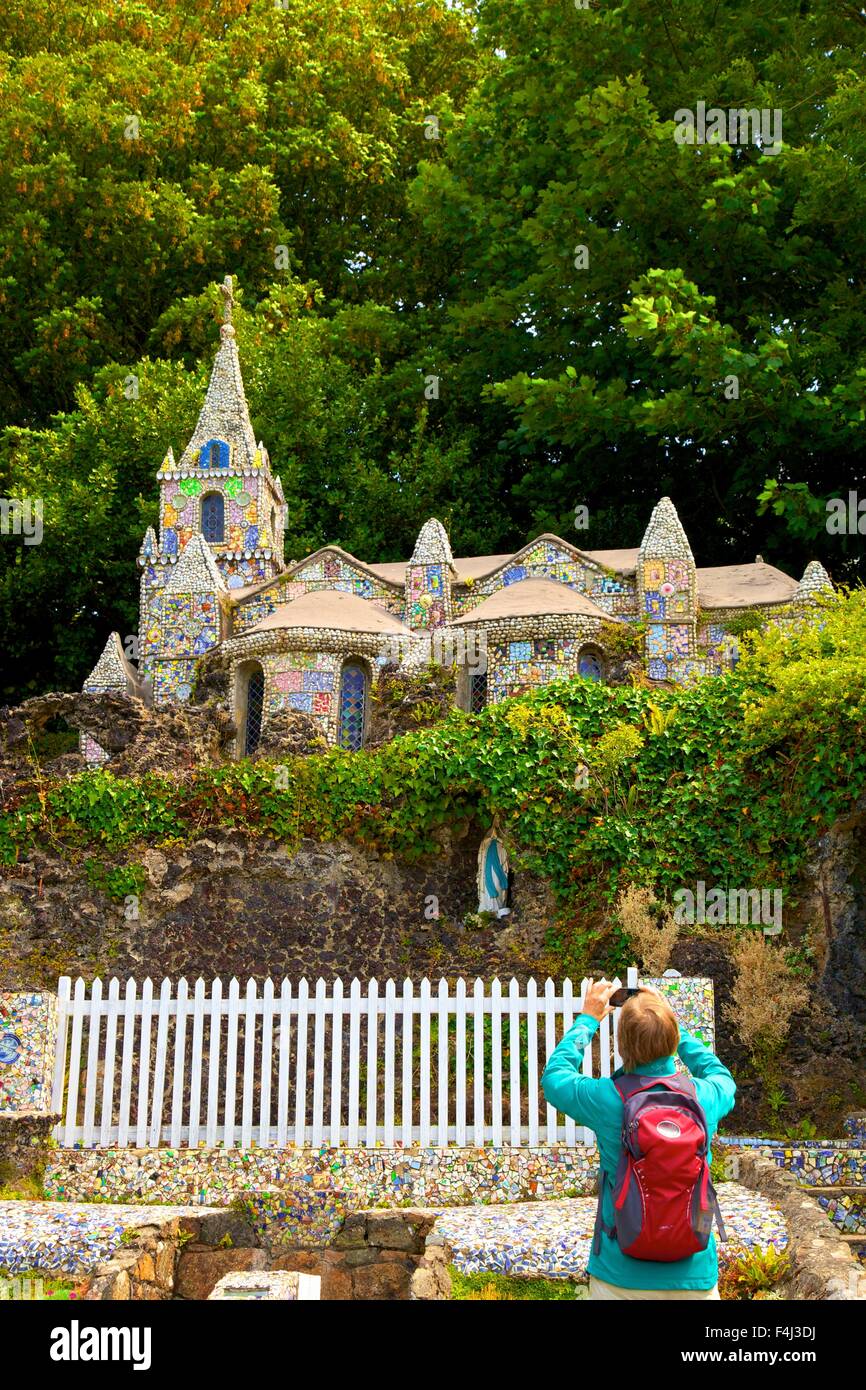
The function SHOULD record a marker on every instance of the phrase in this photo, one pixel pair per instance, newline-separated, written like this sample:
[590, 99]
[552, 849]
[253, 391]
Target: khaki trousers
[599, 1290]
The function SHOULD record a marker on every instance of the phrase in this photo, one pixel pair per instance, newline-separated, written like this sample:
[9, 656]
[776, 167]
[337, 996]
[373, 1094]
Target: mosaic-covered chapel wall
[614, 593]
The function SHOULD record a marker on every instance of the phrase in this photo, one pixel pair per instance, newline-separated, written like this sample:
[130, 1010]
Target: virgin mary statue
[493, 875]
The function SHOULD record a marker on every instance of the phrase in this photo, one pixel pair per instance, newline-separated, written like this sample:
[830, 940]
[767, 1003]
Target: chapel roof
[743, 586]
[479, 566]
[719, 586]
[332, 608]
[530, 598]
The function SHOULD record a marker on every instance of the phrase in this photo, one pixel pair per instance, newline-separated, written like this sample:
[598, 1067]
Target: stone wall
[231, 905]
[300, 1196]
[379, 1255]
[823, 1163]
[175, 1255]
[183, 1254]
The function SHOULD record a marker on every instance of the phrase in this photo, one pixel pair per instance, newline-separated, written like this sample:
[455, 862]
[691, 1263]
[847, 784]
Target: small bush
[649, 926]
[765, 997]
[752, 1272]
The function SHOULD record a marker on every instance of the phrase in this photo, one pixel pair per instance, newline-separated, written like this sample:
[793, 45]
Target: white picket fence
[433, 1067]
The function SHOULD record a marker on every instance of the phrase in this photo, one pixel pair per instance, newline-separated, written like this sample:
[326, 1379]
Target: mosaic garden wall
[28, 1027]
[301, 1195]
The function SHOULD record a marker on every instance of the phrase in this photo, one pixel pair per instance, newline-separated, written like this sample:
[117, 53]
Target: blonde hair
[648, 1030]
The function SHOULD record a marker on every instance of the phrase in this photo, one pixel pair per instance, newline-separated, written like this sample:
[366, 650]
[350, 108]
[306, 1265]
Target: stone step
[838, 1188]
[855, 1239]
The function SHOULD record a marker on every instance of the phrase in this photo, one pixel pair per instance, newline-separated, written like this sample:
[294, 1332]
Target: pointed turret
[196, 572]
[225, 415]
[667, 594]
[112, 672]
[664, 537]
[149, 548]
[815, 581]
[429, 576]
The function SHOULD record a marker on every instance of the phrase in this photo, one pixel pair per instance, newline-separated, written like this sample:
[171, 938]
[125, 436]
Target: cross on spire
[228, 294]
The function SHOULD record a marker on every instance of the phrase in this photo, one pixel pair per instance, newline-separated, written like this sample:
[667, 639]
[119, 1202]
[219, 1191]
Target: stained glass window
[477, 692]
[589, 666]
[353, 707]
[255, 704]
[215, 454]
[213, 518]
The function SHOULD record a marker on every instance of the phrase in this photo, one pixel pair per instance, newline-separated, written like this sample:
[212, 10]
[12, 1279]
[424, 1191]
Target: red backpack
[663, 1199]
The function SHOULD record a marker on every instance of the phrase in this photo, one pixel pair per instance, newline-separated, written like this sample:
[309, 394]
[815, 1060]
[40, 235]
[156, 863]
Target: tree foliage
[490, 193]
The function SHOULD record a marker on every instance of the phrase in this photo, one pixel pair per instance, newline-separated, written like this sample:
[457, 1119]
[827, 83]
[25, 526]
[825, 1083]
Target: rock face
[291, 733]
[838, 879]
[404, 701]
[823, 1063]
[137, 738]
[231, 905]
[182, 1256]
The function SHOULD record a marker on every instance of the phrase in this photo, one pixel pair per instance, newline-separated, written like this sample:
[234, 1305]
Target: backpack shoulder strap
[631, 1084]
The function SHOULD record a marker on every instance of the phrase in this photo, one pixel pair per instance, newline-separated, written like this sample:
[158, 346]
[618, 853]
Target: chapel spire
[223, 437]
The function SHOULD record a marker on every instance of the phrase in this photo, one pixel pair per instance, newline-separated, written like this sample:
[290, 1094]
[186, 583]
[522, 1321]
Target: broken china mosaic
[613, 593]
[426, 603]
[515, 667]
[329, 572]
[305, 681]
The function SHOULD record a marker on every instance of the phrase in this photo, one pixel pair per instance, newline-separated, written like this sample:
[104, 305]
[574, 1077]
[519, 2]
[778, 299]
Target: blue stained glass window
[213, 524]
[214, 454]
[353, 707]
[589, 666]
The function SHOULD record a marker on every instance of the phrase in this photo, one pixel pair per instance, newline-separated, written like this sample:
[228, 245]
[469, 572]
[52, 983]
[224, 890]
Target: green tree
[643, 316]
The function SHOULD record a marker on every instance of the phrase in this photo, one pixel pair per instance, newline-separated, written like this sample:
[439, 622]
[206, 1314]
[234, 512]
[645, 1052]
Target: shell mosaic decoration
[213, 572]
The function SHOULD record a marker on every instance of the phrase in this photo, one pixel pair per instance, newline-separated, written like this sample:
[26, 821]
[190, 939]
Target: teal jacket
[595, 1102]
